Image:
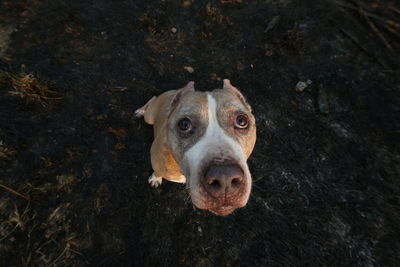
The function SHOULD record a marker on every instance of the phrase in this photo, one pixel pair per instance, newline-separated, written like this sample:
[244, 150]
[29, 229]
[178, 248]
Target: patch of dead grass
[5, 151]
[27, 86]
[62, 184]
[53, 241]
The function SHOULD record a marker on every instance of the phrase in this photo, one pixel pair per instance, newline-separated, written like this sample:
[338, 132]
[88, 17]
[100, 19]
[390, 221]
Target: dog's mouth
[219, 206]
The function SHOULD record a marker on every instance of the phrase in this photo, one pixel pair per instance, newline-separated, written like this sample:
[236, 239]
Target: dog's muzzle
[224, 186]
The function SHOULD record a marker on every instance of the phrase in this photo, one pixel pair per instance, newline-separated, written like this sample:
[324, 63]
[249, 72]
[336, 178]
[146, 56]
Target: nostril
[236, 182]
[214, 183]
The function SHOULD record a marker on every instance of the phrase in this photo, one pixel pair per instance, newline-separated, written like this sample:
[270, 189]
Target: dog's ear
[179, 94]
[228, 86]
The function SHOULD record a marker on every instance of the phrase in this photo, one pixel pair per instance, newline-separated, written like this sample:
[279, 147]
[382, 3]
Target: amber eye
[241, 121]
[185, 125]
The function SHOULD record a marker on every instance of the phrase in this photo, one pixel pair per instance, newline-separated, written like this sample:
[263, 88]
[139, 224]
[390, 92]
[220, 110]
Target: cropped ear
[179, 94]
[228, 86]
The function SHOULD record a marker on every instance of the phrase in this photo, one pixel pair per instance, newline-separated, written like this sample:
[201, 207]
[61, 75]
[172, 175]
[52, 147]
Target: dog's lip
[221, 207]
[222, 210]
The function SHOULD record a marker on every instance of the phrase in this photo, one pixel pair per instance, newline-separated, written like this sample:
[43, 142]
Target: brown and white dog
[203, 139]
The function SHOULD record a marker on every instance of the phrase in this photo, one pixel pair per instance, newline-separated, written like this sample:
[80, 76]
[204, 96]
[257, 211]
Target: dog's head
[211, 136]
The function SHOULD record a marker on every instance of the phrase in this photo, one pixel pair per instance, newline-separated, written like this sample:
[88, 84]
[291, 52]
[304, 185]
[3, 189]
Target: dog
[203, 139]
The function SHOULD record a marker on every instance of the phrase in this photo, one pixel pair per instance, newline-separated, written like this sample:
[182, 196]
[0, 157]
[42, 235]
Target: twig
[8, 234]
[395, 9]
[59, 257]
[354, 38]
[393, 31]
[272, 23]
[375, 29]
[369, 14]
[393, 23]
[14, 192]
[365, 50]
[51, 98]
[389, 24]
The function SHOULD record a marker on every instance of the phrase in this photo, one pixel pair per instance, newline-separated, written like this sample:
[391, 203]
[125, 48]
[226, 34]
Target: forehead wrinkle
[196, 105]
[235, 106]
[191, 109]
[226, 99]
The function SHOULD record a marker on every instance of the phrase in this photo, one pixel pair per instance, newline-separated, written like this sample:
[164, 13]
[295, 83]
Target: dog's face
[211, 136]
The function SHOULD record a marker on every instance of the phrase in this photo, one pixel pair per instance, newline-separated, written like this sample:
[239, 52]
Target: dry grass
[57, 244]
[5, 151]
[27, 86]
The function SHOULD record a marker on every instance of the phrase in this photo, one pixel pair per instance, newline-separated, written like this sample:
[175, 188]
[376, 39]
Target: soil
[74, 162]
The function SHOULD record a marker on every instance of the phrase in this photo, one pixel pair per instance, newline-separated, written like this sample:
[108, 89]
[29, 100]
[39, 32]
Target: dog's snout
[223, 181]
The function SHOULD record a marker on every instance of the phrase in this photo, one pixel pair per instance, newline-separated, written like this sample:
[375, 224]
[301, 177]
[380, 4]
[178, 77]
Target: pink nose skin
[223, 181]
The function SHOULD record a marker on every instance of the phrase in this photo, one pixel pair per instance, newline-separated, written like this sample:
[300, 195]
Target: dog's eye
[185, 125]
[241, 121]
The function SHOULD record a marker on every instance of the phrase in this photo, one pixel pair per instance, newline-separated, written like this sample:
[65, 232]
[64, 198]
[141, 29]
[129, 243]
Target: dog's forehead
[193, 102]
[197, 102]
[225, 98]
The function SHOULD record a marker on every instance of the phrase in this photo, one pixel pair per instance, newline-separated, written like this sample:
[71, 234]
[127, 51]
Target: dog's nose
[223, 180]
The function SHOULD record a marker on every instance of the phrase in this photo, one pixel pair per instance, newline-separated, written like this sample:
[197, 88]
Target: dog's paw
[181, 179]
[155, 181]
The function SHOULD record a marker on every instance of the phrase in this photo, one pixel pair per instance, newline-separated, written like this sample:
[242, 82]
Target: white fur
[181, 179]
[214, 140]
[155, 181]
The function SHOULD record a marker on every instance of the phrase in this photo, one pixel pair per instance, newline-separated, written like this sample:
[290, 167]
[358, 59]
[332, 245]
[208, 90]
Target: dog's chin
[202, 200]
[218, 208]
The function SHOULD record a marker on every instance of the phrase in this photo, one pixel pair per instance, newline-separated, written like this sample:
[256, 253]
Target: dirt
[74, 161]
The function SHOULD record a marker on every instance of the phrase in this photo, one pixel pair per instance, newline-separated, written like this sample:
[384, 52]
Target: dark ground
[326, 164]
